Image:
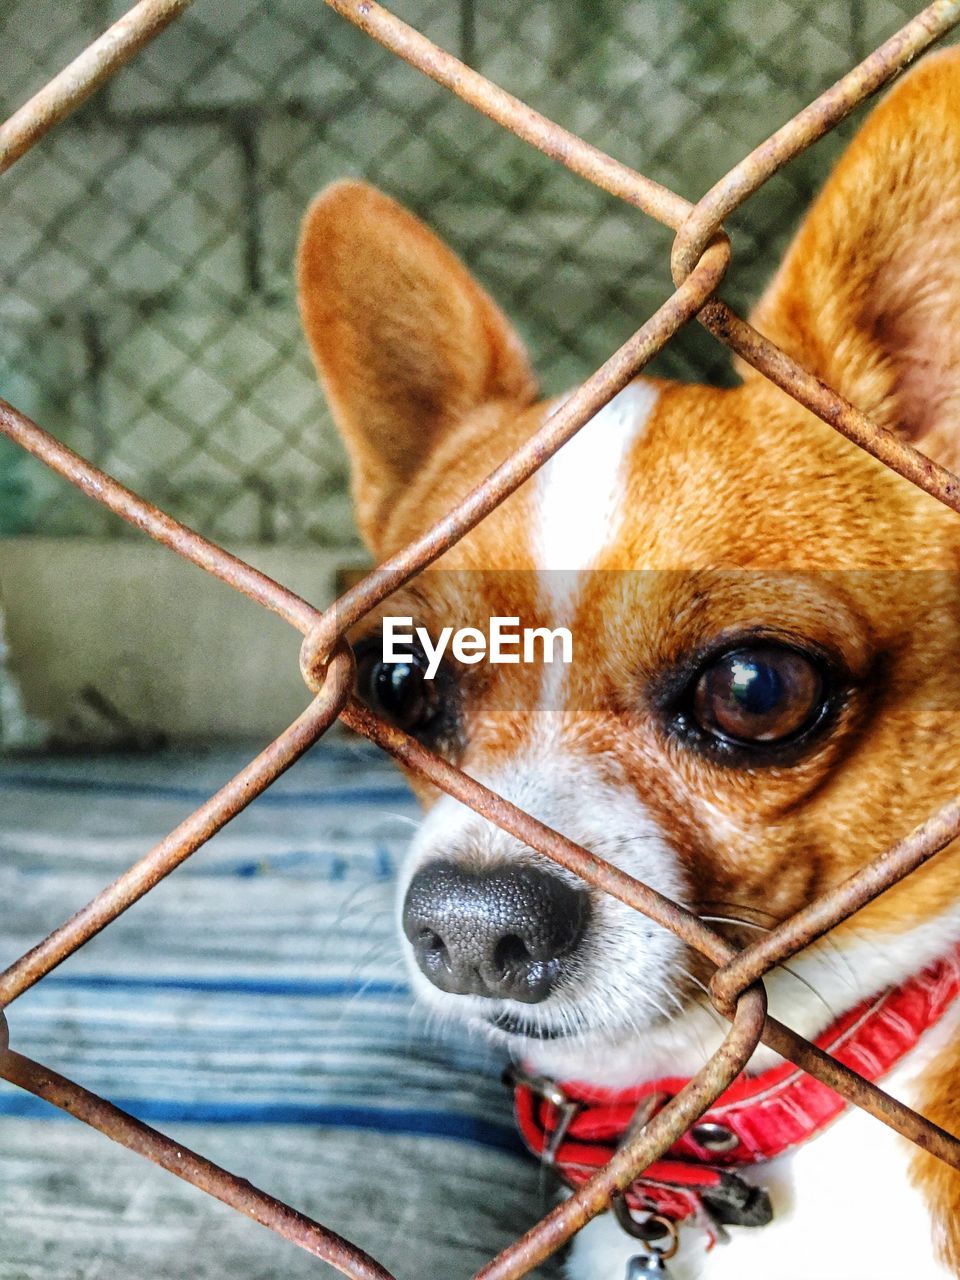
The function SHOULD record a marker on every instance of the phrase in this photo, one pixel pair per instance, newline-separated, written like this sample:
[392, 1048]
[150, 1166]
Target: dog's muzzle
[506, 933]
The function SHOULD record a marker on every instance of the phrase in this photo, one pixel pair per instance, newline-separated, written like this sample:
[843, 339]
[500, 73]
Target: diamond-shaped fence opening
[176, 363]
[147, 300]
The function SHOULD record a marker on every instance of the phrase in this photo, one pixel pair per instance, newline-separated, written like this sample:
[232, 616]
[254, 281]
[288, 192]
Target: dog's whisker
[707, 1003]
[825, 942]
[403, 818]
[747, 924]
[798, 977]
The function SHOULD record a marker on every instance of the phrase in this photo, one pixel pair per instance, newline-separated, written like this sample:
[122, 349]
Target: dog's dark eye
[398, 691]
[758, 695]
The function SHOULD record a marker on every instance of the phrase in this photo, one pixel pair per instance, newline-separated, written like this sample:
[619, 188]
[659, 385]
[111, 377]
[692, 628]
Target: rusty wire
[76, 82]
[696, 224]
[685, 1108]
[685, 924]
[185, 839]
[186, 1164]
[701, 256]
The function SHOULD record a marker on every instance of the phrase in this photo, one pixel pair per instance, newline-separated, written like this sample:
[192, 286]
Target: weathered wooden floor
[253, 1006]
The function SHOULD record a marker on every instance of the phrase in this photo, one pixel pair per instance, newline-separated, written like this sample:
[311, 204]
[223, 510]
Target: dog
[767, 629]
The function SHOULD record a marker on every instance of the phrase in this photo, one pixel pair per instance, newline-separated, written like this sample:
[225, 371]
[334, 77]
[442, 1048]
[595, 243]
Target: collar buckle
[543, 1087]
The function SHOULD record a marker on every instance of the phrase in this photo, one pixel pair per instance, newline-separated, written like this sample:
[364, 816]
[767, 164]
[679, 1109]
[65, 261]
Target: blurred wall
[122, 642]
[147, 307]
[147, 314]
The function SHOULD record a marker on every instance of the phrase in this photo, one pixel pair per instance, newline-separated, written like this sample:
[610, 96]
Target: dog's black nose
[503, 933]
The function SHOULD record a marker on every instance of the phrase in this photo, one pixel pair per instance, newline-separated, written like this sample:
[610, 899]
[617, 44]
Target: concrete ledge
[167, 645]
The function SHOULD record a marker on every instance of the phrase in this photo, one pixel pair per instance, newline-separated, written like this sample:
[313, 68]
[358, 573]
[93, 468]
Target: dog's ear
[868, 296]
[405, 341]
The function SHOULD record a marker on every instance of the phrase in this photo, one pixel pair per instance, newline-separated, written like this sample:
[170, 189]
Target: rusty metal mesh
[701, 255]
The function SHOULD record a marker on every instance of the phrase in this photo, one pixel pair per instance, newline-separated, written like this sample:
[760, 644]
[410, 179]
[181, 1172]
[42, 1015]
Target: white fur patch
[580, 490]
[579, 508]
[624, 970]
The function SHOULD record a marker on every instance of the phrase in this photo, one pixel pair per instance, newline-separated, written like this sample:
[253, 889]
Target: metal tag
[647, 1266]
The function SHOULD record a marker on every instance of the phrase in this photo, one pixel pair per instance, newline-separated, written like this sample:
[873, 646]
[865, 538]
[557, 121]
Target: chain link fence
[147, 305]
[327, 662]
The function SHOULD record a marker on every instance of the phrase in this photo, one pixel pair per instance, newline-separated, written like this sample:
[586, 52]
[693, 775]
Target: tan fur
[868, 294]
[430, 390]
[406, 343]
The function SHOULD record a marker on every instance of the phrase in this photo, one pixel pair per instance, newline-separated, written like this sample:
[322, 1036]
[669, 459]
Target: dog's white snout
[500, 936]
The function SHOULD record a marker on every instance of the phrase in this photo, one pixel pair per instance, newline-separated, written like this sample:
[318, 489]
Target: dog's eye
[398, 691]
[763, 694]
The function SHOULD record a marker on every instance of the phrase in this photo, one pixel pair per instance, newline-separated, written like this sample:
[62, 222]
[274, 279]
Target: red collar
[577, 1127]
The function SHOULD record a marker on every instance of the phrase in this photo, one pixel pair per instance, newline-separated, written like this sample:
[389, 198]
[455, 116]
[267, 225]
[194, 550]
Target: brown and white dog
[763, 690]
